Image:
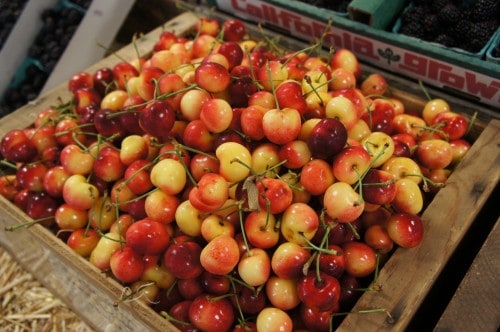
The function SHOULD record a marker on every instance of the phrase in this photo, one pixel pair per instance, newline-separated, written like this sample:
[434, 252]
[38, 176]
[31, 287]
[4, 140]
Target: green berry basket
[493, 52]
[433, 39]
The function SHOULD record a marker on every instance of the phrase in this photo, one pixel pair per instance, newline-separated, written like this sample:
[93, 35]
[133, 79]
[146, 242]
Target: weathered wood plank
[474, 307]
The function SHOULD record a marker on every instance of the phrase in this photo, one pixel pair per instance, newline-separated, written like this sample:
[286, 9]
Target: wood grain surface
[475, 305]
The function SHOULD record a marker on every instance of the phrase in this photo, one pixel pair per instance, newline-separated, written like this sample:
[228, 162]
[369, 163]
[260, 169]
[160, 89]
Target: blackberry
[437, 5]
[446, 40]
[413, 29]
[449, 14]
[414, 14]
[431, 25]
[460, 29]
[426, 3]
[478, 35]
[9, 13]
[484, 10]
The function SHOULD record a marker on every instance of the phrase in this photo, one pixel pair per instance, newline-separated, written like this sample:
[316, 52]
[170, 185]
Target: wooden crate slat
[87, 291]
[405, 278]
[478, 294]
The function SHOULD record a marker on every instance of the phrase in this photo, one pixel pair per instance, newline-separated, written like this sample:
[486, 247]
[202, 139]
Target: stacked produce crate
[404, 288]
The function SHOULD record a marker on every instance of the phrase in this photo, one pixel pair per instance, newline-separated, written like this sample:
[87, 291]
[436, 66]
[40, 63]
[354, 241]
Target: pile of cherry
[231, 184]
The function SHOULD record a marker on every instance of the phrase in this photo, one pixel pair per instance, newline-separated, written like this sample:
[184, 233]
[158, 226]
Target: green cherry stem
[472, 121]
[129, 295]
[4, 162]
[319, 249]
[354, 230]
[172, 319]
[424, 89]
[238, 306]
[26, 224]
[426, 181]
[242, 227]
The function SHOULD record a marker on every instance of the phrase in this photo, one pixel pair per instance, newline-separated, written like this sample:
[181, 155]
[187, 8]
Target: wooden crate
[405, 278]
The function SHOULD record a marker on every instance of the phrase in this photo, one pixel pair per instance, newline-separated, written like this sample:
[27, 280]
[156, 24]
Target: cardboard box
[470, 78]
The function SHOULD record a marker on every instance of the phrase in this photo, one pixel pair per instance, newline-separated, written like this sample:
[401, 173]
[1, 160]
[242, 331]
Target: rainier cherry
[233, 30]
[208, 313]
[126, 264]
[405, 229]
[157, 119]
[182, 258]
[147, 237]
[327, 138]
[221, 255]
[17, 147]
[319, 291]
[274, 319]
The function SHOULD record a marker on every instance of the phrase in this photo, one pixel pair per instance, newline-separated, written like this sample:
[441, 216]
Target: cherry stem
[307, 265]
[426, 181]
[354, 231]
[26, 224]
[323, 35]
[172, 319]
[270, 42]
[359, 184]
[424, 89]
[319, 249]
[308, 49]
[129, 295]
[271, 81]
[318, 270]
[220, 297]
[380, 184]
[322, 214]
[4, 162]
[240, 312]
[472, 121]
[203, 215]
[190, 149]
[295, 185]
[171, 94]
[101, 234]
[242, 227]
[434, 129]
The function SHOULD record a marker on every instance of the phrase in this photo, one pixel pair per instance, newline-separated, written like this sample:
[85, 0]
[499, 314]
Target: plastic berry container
[493, 52]
[480, 54]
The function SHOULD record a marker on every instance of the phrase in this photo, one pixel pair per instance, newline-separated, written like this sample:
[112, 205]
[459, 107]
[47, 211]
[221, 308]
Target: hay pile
[27, 306]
